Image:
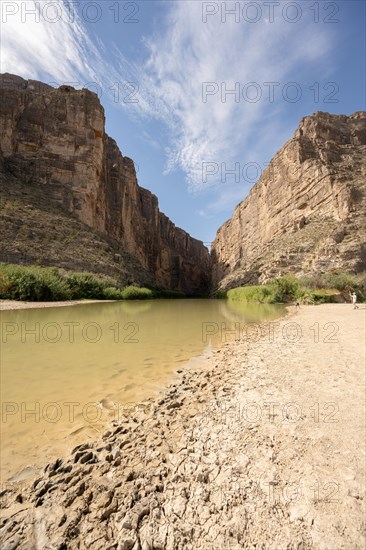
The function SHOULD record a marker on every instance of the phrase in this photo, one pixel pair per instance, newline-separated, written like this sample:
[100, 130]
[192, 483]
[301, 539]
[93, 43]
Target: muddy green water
[66, 372]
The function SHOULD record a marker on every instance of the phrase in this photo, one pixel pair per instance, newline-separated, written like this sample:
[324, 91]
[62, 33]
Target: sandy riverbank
[262, 447]
[6, 305]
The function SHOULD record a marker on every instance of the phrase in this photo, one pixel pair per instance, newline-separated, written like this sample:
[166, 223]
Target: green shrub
[283, 290]
[5, 284]
[318, 296]
[324, 296]
[261, 294]
[32, 283]
[112, 293]
[345, 282]
[40, 284]
[51, 286]
[337, 282]
[25, 286]
[311, 282]
[309, 290]
[286, 289]
[86, 285]
[136, 293]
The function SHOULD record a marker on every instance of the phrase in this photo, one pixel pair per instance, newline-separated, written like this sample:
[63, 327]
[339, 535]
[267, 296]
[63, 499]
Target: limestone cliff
[54, 146]
[306, 214]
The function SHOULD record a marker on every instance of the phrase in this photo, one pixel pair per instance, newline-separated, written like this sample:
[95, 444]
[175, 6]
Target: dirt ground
[261, 447]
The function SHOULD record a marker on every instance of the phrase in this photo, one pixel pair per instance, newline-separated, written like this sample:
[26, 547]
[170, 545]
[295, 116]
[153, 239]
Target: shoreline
[263, 444]
[12, 305]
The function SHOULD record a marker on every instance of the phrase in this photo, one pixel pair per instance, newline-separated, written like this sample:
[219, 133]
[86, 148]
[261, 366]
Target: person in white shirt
[354, 300]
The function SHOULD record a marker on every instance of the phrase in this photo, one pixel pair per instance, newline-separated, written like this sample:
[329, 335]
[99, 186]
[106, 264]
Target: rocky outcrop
[54, 140]
[306, 214]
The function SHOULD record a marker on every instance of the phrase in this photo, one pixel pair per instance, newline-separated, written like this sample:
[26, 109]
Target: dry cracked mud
[260, 447]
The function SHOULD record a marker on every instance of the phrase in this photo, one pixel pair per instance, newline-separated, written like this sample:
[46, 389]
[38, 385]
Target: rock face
[59, 169]
[306, 214]
[53, 140]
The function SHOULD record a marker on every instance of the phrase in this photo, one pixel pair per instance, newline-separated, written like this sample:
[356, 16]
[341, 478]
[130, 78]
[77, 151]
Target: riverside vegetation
[327, 288]
[39, 284]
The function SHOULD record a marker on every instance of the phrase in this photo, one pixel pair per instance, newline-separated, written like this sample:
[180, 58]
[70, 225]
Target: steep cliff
[306, 214]
[56, 154]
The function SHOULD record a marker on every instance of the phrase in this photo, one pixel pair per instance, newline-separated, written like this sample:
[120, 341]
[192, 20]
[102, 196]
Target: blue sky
[164, 71]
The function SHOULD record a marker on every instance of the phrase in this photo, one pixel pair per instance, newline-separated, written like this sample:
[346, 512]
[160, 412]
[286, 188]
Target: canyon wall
[53, 143]
[71, 199]
[306, 214]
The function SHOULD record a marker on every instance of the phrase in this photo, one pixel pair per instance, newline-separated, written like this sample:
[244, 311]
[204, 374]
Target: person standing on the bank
[354, 300]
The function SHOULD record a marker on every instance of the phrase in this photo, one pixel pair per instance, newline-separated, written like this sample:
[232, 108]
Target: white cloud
[184, 54]
[48, 40]
[188, 53]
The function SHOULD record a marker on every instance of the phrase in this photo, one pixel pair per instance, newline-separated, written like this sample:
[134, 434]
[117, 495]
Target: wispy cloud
[181, 57]
[33, 46]
[190, 53]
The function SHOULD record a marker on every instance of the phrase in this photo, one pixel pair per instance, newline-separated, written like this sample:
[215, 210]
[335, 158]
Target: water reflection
[65, 371]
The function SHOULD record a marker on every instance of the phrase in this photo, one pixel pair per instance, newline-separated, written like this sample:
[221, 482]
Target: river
[66, 372]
